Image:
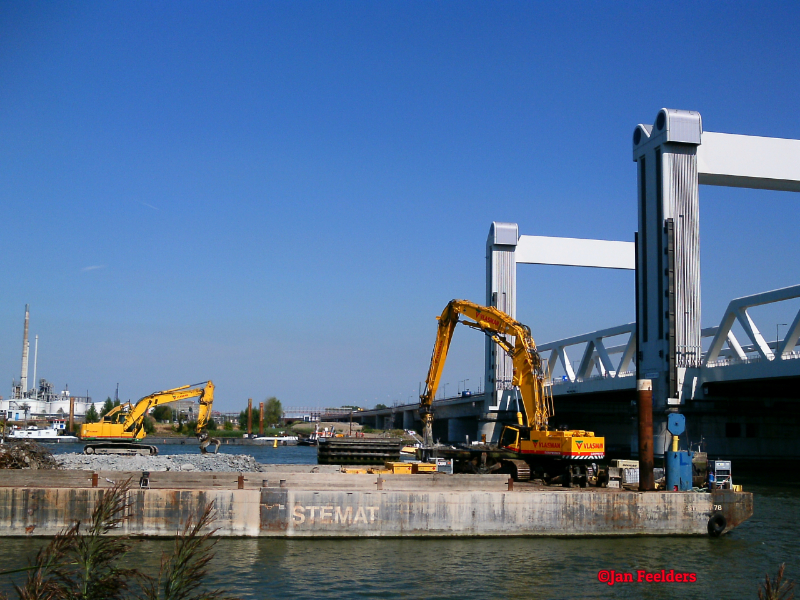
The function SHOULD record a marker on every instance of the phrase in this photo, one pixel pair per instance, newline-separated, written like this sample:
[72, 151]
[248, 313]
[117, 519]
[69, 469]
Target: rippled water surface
[729, 567]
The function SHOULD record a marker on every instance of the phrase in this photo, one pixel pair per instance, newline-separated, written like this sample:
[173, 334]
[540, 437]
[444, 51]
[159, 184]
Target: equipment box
[399, 468]
[423, 468]
[444, 465]
[719, 475]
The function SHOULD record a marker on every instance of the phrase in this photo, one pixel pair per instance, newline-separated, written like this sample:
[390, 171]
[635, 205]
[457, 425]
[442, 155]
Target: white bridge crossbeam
[749, 161]
[575, 252]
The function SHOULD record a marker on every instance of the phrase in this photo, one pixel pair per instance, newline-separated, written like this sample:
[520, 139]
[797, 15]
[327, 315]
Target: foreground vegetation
[88, 564]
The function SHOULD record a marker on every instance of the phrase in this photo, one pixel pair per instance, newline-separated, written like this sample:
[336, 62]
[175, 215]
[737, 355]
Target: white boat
[282, 440]
[43, 434]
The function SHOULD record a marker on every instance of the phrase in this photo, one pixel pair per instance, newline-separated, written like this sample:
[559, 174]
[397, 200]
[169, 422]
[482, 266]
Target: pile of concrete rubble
[25, 455]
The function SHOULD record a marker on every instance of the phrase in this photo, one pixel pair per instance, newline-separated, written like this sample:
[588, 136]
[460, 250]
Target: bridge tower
[668, 256]
[501, 292]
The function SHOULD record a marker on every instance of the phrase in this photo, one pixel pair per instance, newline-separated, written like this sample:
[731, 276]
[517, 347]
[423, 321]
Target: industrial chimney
[24, 376]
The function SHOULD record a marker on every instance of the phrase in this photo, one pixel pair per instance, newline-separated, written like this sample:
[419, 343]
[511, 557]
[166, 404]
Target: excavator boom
[513, 337]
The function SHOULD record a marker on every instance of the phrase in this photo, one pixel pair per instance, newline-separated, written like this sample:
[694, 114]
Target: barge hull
[338, 505]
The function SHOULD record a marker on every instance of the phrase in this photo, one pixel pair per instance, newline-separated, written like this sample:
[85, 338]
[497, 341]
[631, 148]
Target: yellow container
[378, 471]
[399, 468]
[362, 471]
[423, 468]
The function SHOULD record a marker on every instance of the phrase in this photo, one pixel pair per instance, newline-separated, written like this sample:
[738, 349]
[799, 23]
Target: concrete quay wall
[314, 506]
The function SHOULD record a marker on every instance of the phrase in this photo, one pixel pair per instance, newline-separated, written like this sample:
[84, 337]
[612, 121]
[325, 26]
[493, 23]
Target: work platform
[291, 501]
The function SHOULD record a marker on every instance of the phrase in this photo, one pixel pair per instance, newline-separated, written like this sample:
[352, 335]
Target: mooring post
[644, 392]
[240, 482]
[510, 484]
[94, 479]
[249, 417]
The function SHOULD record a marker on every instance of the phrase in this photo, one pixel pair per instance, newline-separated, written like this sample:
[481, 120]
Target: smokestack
[24, 376]
[35, 360]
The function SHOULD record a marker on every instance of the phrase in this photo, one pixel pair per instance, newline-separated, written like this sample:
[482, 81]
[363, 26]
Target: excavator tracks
[521, 469]
[120, 448]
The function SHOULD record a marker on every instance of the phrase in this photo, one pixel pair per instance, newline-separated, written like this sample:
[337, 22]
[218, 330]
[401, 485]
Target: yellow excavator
[528, 445]
[121, 429]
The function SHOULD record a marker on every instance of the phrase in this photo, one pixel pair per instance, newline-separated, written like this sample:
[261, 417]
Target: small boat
[50, 434]
[282, 440]
[314, 438]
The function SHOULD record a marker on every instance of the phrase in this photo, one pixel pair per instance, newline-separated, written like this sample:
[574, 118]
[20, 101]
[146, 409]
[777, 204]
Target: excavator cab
[509, 438]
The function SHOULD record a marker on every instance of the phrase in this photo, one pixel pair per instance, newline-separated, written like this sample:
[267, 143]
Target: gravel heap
[174, 462]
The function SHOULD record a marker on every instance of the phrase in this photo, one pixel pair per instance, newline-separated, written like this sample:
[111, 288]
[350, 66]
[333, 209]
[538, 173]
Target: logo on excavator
[487, 319]
[579, 442]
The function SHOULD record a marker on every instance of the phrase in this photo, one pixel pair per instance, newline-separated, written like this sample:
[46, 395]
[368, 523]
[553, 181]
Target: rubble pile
[175, 462]
[26, 455]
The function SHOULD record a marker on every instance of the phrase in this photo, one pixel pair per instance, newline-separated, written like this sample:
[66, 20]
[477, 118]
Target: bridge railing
[596, 356]
[596, 362]
[737, 312]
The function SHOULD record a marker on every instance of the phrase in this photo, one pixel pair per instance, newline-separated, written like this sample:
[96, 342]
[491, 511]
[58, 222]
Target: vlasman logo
[483, 318]
[334, 514]
[591, 446]
[580, 443]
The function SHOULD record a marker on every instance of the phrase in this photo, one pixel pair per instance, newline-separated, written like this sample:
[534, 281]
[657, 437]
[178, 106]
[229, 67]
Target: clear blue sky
[281, 196]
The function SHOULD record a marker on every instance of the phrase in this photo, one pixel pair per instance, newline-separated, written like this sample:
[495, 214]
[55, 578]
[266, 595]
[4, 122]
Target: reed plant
[776, 589]
[89, 563]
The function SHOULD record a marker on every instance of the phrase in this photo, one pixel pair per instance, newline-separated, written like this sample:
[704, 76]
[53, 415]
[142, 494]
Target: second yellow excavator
[529, 445]
[120, 430]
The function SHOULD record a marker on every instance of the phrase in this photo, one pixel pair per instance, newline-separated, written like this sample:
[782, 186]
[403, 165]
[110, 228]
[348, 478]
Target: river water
[729, 567]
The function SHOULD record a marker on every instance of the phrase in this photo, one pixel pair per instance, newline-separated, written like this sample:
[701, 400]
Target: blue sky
[281, 196]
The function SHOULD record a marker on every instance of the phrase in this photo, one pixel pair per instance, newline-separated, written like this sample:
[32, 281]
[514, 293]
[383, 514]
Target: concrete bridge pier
[408, 419]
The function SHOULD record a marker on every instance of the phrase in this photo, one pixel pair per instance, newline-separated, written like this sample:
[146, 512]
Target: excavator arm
[528, 368]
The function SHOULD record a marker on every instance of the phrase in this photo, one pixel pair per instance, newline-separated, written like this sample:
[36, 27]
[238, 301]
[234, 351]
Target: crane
[120, 430]
[528, 443]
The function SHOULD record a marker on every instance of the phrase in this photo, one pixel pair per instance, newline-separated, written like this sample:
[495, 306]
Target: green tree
[228, 426]
[380, 406]
[162, 413]
[91, 415]
[211, 425]
[273, 411]
[107, 406]
[149, 425]
[243, 420]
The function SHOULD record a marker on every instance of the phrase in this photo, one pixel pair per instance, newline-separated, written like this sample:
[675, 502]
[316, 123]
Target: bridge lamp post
[445, 392]
[777, 338]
